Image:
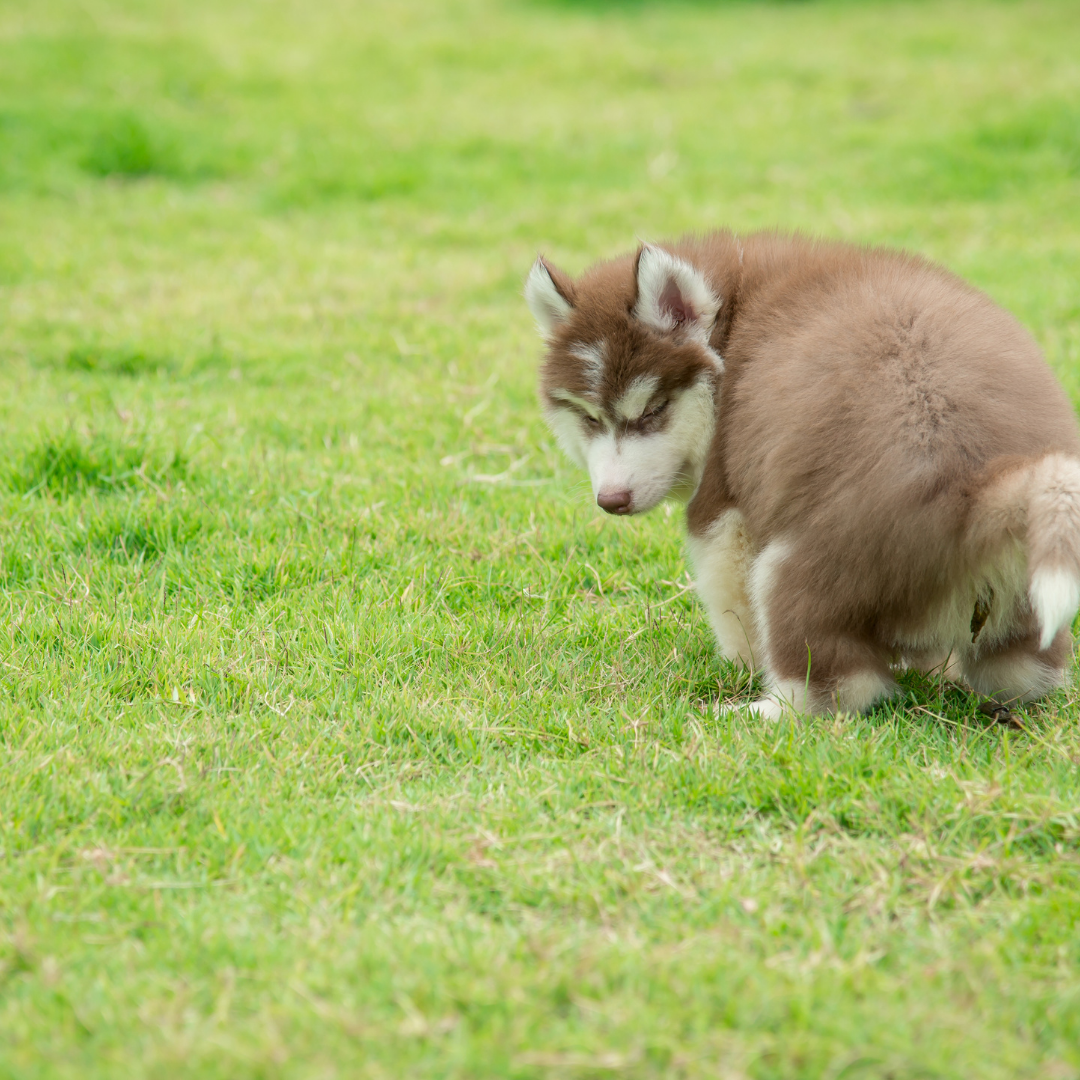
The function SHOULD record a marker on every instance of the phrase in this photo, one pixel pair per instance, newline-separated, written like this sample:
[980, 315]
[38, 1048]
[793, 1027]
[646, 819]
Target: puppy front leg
[722, 557]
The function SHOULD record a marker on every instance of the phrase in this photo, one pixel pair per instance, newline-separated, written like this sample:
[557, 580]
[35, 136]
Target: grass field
[339, 735]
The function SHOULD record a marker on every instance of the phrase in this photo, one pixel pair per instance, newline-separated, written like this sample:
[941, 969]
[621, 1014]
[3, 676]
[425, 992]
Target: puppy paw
[765, 708]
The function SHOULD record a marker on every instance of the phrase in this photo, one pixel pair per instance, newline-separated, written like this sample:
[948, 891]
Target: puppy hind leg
[856, 691]
[810, 668]
[859, 691]
[1019, 671]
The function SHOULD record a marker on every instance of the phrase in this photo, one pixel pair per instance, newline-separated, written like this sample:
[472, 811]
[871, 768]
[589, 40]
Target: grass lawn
[340, 736]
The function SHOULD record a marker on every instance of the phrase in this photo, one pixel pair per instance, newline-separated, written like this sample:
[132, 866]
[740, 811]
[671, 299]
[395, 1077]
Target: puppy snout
[614, 502]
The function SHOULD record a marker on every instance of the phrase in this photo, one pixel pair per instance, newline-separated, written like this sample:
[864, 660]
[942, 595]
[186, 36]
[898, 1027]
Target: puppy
[880, 469]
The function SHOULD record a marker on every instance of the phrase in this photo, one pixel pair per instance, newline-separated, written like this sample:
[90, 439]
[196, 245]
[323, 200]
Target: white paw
[765, 708]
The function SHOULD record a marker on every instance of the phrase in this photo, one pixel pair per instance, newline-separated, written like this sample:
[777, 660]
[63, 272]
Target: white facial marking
[654, 465]
[636, 397]
[577, 401]
[566, 427]
[592, 357]
[608, 470]
[548, 306]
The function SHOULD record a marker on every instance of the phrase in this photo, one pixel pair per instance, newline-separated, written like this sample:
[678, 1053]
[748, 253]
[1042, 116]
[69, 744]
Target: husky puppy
[880, 469]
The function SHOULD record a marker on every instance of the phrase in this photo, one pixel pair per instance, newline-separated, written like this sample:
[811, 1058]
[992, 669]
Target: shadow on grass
[134, 361]
[67, 464]
[128, 146]
[922, 698]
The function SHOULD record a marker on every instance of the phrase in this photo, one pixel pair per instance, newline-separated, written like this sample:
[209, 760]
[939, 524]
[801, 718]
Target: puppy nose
[614, 502]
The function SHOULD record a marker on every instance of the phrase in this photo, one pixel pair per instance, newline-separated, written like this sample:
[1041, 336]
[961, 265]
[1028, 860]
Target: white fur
[652, 466]
[762, 585]
[566, 426]
[1013, 677]
[783, 695]
[858, 691]
[854, 694]
[609, 468]
[584, 404]
[766, 708]
[592, 357]
[657, 269]
[546, 303]
[947, 628]
[1053, 511]
[721, 560]
[1055, 597]
[636, 397]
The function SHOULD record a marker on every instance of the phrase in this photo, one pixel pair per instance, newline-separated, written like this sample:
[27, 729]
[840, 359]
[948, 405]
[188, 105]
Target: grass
[339, 736]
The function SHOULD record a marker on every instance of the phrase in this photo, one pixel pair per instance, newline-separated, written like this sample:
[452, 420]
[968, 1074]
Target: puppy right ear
[673, 294]
[548, 294]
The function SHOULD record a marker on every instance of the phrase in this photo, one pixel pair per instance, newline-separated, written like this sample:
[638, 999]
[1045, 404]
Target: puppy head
[629, 379]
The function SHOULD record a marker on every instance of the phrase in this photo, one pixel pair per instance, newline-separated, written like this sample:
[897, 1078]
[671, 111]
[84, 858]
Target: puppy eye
[656, 410]
[592, 421]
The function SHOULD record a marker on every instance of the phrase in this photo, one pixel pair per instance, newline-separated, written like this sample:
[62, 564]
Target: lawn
[340, 736]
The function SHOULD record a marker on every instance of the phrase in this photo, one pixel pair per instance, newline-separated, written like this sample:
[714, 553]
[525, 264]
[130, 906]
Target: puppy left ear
[672, 294]
[548, 293]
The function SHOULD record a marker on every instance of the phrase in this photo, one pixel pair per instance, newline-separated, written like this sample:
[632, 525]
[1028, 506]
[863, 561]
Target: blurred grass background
[339, 736]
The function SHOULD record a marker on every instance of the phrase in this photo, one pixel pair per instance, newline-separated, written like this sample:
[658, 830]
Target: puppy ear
[672, 294]
[548, 293]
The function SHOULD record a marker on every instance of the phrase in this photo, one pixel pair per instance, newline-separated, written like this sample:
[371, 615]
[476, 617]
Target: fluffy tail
[1052, 494]
[1037, 504]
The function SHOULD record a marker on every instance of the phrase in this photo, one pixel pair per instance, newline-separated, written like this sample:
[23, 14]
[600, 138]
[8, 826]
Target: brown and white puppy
[880, 468]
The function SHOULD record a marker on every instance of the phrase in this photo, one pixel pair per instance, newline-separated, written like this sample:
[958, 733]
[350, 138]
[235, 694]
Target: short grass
[339, 735]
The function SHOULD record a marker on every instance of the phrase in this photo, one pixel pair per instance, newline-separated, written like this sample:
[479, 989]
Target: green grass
[339, 735]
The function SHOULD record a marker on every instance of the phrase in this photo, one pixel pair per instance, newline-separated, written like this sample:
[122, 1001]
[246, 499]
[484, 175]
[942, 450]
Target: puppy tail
[1053, 543]
[1037, 503]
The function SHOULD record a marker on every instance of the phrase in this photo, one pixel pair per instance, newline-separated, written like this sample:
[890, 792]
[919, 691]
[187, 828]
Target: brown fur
[603, 298]
[874, 411]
